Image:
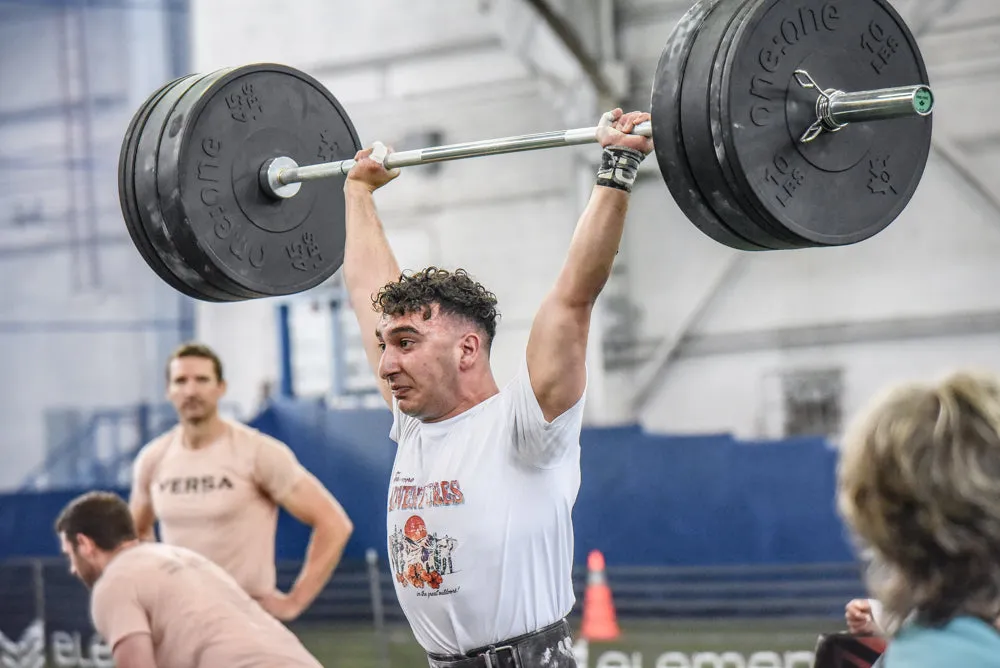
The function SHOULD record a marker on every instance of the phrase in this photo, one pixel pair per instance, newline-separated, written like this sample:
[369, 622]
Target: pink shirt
[195, 613]
[221, 500]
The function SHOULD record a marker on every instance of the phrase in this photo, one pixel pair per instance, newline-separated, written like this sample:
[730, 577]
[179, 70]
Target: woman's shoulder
[964, 641]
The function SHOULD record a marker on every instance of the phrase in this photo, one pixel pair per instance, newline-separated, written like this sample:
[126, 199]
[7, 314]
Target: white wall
[913, 301]
[739, 392]
[312, 33]
[84, 323]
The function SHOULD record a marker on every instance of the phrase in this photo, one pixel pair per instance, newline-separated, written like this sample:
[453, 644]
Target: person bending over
[164, 606]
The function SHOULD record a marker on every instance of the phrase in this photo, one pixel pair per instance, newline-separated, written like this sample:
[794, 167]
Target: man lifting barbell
[492, 471]
[777, 124]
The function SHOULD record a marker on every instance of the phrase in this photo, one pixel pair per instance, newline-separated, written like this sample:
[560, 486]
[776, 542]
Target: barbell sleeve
[877, 105]
[836, 109]
[280, 176]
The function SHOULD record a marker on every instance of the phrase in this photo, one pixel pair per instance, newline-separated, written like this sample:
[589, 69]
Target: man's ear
[470, 347]
[84, 544]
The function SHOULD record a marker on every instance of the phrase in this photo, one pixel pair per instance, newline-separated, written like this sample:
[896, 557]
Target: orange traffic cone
[599, 619]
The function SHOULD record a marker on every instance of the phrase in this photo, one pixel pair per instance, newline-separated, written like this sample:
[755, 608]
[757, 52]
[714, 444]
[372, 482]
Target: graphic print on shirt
[419, 558]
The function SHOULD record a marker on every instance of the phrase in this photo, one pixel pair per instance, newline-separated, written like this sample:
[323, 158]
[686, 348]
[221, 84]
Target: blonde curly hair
[918, 482]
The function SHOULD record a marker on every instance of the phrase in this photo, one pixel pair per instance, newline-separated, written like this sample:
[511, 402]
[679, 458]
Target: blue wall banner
[645, 499]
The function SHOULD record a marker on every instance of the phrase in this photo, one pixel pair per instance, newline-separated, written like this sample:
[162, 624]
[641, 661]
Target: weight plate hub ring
[842, 187]
[210, 159]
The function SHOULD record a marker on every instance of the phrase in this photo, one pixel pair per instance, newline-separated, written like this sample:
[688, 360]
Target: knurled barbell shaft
[277, 178]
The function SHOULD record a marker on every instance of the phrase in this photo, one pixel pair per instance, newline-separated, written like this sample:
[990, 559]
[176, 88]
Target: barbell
[777, 124]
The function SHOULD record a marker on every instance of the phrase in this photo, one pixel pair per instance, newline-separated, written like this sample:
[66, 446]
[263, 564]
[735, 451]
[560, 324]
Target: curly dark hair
[455, 292]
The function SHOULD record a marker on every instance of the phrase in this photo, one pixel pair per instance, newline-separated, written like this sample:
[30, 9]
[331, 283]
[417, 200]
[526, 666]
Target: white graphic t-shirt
[480, 532]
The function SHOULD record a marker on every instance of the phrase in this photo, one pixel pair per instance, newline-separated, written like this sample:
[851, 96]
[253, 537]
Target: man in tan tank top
[215, 486]
[163, 606]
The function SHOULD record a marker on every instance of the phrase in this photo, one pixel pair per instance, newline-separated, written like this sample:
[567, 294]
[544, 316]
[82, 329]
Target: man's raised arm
[368, 260]
[557, 344]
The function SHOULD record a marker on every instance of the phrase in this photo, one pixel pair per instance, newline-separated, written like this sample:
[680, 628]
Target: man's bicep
[311, 503]
[276, 468]
[135, 651]
[369, 264]
[557, 355]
